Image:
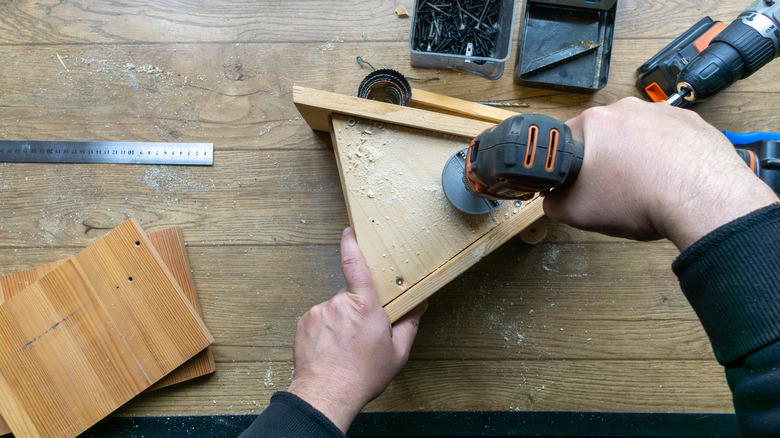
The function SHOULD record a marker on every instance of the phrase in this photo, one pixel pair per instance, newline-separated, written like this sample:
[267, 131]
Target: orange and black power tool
[523, 155]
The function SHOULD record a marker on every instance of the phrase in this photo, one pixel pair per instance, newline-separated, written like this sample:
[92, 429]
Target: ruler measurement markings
[200, 154]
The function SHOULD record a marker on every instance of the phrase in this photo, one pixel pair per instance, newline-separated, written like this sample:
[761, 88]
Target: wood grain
[317, 106]
[459, 106]
[96, 331]
[525, 385]
[263, 223]
[169, 244]
[413, 240]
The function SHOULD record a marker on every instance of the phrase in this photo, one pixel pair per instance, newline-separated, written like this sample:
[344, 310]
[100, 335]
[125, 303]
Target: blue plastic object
[750, 137]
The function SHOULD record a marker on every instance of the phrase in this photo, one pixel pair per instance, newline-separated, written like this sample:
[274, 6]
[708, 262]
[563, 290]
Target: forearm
[709, 201]
[290, 416]
[732, 279]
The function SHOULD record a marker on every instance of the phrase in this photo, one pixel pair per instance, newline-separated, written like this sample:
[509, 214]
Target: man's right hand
[653, 171]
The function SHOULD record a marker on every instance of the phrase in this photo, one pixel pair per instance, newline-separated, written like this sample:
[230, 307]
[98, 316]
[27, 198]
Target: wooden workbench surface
[576, 322]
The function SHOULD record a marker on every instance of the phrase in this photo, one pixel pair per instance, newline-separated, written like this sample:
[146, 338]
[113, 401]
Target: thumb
[354, 268]
[405, 329]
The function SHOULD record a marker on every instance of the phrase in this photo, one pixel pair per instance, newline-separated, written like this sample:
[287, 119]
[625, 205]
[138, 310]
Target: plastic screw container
[468, 35]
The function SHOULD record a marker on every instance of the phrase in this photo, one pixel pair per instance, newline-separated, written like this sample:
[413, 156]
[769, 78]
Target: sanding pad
[452, 180]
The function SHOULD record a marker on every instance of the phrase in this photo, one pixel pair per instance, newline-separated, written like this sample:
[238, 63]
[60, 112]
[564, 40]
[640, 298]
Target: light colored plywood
[405, 226]
[414, 241]
[99, 329]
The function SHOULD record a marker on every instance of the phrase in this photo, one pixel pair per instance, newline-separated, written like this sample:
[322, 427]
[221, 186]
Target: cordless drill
[746, 45]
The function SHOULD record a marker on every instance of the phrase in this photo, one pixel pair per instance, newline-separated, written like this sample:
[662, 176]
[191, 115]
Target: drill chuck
[746, 45]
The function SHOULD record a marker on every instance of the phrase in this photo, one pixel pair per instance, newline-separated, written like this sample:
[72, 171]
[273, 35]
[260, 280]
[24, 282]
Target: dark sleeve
[288, 416]
[731, 277]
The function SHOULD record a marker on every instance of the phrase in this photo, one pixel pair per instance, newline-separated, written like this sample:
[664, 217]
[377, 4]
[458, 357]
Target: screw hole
[130, 279]
[532, 231]
[137, 243]
[399, 281]
[351, 122]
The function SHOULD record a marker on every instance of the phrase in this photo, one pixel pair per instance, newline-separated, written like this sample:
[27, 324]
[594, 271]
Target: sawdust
[330, 45]
[510, 329]
[394, 175]
[274, 125]
[174, 179]
[269, 376]
[156, 91]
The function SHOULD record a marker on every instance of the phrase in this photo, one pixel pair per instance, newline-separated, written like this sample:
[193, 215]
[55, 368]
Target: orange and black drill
[710, 56]
[521, 156]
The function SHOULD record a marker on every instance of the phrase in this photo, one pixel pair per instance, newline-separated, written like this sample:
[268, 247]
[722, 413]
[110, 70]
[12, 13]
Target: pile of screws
[457, 27]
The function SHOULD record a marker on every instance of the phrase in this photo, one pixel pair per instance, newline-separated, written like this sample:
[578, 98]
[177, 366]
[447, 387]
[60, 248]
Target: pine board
[413, 239]
[87, 337]
[169, 244]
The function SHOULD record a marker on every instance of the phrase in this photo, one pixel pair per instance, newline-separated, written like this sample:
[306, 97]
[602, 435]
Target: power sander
[524, 155]
[532, 153]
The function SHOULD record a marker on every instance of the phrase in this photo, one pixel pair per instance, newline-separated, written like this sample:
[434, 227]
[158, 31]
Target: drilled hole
[130, 279]
[137, 243]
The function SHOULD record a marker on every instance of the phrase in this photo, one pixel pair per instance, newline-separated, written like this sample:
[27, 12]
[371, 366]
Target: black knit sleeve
[288, 416]
[731, 277]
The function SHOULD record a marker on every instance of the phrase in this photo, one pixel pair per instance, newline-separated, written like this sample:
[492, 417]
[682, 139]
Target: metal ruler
[194, 154]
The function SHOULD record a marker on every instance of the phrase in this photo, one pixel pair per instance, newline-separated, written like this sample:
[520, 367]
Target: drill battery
[657, 78]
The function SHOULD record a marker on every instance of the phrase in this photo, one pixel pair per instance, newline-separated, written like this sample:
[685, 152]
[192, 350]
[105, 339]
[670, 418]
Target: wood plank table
[578, 322]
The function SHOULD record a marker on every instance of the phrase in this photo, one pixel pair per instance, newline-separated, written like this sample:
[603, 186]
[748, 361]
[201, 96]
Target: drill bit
[678, 98]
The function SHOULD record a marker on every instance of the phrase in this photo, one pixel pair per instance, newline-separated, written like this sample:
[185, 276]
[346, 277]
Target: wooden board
[169, 244]
[96, 331]
[470, 109]
[413, 240]
[316, 107]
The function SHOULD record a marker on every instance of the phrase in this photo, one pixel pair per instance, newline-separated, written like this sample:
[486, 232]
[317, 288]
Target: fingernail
[346, 231]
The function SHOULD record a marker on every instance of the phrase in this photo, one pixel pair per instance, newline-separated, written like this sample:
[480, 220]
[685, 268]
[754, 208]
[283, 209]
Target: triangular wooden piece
[390, 160]
[93, 333]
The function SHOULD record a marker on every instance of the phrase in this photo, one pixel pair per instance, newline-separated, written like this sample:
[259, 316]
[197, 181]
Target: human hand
[346, 351]
[653, 171]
